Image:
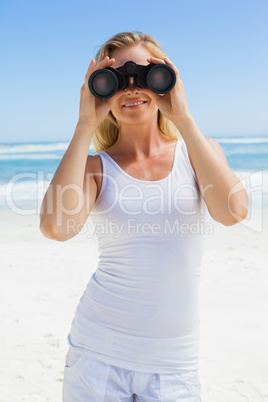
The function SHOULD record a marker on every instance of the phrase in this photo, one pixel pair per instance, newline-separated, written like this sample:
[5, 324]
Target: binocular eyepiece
[159, 78]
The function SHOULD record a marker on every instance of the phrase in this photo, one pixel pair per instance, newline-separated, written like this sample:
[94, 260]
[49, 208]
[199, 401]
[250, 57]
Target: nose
[132, 86]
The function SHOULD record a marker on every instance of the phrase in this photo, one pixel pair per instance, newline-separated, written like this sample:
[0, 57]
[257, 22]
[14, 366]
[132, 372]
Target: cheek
[115, 109]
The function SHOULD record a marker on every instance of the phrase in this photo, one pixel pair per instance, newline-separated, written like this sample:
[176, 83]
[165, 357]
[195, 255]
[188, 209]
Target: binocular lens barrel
[104, 84]
[159, 79]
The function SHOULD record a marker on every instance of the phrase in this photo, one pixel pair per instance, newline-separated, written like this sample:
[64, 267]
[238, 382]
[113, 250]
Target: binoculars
[159, 78]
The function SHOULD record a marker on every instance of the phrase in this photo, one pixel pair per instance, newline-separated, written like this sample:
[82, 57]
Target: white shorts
[89, 380]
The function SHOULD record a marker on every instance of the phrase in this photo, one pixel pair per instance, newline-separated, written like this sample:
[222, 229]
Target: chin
[136, 116]
[134, 120]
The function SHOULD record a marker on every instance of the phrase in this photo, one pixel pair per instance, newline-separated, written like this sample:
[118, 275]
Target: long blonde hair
[107, 132]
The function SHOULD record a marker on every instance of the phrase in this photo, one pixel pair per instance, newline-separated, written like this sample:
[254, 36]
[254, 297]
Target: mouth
[134, 105]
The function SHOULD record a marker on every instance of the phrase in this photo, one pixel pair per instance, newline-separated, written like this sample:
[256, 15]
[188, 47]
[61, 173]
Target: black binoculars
[159, 78]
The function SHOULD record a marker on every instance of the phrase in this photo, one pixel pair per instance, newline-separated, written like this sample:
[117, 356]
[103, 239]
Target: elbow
[50, 232]
[238, 206]
[231, 212]
[237, 214]
[231, 216]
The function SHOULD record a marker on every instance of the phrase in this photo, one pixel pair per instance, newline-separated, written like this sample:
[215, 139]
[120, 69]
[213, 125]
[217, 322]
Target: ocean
[26, 170]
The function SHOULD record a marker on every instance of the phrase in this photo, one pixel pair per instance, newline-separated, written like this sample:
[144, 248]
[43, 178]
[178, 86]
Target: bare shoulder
[93, 165]
[93, 172]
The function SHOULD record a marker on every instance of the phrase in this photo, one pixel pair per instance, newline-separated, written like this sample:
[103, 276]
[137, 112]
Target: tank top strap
[104, 174]
[184, 152]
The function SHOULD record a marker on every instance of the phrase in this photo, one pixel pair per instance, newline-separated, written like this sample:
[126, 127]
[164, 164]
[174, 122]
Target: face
[122, 102]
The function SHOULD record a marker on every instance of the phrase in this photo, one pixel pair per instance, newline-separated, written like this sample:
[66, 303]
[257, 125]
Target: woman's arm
[73, 189]
[223, 192]
[64, 202]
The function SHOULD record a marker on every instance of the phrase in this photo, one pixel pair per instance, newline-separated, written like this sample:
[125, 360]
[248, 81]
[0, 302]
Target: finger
[172, 65]
[155, 60]
[106, 62]
[90, 69]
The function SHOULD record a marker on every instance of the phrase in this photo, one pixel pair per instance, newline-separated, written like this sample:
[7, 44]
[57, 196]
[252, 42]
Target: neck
[140, 139]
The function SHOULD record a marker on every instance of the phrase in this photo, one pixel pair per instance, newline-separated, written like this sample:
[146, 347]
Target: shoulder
[93, 172]
[217, 148]
[93, 166]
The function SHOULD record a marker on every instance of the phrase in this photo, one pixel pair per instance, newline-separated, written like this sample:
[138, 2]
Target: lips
[134, 104]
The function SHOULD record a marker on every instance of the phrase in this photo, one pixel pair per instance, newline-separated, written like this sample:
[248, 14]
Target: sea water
[26, 170]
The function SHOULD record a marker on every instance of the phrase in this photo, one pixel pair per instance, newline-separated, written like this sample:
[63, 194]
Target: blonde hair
[107, 132]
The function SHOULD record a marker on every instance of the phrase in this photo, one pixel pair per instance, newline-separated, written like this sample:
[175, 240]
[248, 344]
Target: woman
[147, 191]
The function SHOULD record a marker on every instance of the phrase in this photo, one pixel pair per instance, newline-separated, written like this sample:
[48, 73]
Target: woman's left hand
[172, 105]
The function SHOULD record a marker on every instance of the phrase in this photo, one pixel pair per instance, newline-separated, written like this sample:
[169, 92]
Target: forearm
[64, 197]
[224, 194]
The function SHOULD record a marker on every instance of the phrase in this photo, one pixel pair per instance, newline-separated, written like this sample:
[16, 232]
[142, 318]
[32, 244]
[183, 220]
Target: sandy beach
[42, 281]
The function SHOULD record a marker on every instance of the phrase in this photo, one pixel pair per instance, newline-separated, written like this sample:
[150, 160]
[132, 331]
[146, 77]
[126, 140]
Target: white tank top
[140, 308]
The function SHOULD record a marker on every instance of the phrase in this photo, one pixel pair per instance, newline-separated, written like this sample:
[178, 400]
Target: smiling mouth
[134, 104]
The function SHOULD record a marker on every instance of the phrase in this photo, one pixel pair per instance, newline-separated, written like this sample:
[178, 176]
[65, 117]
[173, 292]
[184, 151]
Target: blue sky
[219, 47]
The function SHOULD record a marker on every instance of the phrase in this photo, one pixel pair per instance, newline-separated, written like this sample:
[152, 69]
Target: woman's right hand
[92, 110]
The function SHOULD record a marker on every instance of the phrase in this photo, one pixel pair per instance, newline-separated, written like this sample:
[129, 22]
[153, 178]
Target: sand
[42, 281]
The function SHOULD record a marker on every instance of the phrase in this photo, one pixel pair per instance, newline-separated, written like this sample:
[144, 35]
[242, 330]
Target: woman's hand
[172, 105]
[93, 110]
